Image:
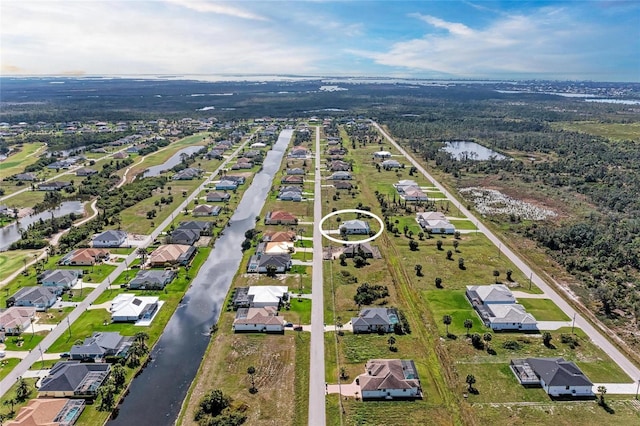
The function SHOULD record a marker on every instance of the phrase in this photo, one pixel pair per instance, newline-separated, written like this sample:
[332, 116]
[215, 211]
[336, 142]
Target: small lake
[172, 162]
[465, 150]
[11, 233]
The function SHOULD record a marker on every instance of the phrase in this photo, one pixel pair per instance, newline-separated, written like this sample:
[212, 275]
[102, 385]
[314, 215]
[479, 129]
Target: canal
[156, 395]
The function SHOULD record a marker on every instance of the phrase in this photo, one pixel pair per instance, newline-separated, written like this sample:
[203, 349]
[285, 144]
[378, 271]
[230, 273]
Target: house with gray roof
[355, 227]
[101, 345]
[111, 238]
[59, 280]
[375, 320]
[39, 297]
[226, 185]
[340, 176]
[152, 279]
[184, 236]
[261, 262]
[214, 197]
[74, 379]
[53, 186]
[558, 378]
[391, 164]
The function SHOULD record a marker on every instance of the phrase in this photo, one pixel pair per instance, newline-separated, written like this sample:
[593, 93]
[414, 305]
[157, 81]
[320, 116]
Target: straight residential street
[61, 328]
[317, 414]
[594, 333]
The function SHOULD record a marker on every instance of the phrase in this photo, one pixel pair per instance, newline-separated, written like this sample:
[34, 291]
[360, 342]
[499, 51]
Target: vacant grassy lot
[25, 199]
[455, 304]
[12, 261]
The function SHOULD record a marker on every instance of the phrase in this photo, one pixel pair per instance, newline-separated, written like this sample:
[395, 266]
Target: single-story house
[53, 186]
[555, 375]
[258, 145]
[206, 210]
[342, 185]
[39, 297]
[101, 345]
[390, 164]
[387, 379]
[214, 197]
[292, 180]
[280, 217]
[339, 166]
[404, 184]
[29, 177]
[340, 176]
[184, 236]
[382, 154]
[84, 257]
[127, 307]
[226, 185]
[273, 247]
[242, 163]
[16, 319]
[355, 227]
[86, 172]
[59, 280]
[152, 279]
[488, 294]
[74, 379]
[236, 178]
[260, 320]
[299, 152]
[48, 412]
[279, 236]
[435, 222]
[362, 249]
[111, 238]
[215, 153]
[120, 155]
[414, 194]
[259, 296]
[336, 151]
[290, 196]
[189, 173]
[511, 317]
[172, 254]
[375, 320]
[203, 227]
[261, 262]
[295, 171]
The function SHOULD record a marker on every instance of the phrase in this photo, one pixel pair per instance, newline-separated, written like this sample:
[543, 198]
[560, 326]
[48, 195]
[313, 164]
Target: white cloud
[537, 43]
[216, 7]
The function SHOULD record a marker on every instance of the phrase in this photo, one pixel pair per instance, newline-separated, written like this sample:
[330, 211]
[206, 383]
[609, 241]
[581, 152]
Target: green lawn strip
[53, 316]
[300, 312]
[6, 365]
[543, 309]
[303, 256]
[11, 395]
[25, 199]
[464, 225]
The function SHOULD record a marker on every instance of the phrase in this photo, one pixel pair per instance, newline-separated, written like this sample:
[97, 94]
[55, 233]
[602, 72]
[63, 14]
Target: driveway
[618, 388]
[554, 325]
[345, 389]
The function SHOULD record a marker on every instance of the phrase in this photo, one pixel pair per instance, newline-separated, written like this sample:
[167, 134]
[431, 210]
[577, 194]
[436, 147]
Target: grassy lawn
[614, 131]
[6, 365]
[300, 312]
[11, 393]
[12, 261]
[543, 309]
[454, 303]
[17, 162]
[29, 341]
[25, 199]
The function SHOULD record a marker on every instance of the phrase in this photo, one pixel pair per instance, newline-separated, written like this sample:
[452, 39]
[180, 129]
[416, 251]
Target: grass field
[17, 162]
[6, 365]
[614, 131]
[12, 261]
[543, 309]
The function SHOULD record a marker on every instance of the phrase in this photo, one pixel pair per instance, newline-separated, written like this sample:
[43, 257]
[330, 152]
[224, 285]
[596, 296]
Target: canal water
[156, 395]
[11, 233]
[172, 162]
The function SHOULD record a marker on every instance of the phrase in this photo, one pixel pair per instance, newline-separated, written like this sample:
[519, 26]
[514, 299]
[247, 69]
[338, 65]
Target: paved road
[62, 328]
[317, 415]
[591, 331]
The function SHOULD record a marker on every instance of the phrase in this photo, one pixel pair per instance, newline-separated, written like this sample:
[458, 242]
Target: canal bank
[156, 395]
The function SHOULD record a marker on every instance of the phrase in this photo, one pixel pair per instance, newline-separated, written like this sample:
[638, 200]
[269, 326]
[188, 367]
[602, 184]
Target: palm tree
[496, 274]
[251, 371]
[487, 338]
[447, 320]
[439, 282]
[391, 341]
[142, 252]
[10, 402]
[602, 390]
[470, 380]
[468, 324]
[141, 337]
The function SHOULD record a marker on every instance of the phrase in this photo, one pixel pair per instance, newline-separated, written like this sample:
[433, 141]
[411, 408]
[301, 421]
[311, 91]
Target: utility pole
[573, 324]
[530, 278]
[69, 327]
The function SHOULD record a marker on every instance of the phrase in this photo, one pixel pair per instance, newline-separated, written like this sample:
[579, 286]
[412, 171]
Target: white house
[489, 294]
[268, 295]
[555, 375]
[127, 307]
[356, 226]
[387, 379]
[382, 154]
[258, 320]
[435, 222]
[511, 317]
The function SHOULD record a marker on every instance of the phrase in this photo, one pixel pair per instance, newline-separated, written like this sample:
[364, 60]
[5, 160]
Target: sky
[596, 40]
